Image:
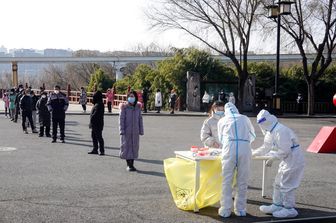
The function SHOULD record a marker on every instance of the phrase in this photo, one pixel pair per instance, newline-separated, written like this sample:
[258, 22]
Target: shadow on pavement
[87, 145]
[159, 162]
[253, 188]
[306, 214]
[153, 173]
[71, 123]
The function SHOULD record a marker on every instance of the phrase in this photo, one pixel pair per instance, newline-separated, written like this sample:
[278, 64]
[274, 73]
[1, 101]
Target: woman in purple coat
[130, 128]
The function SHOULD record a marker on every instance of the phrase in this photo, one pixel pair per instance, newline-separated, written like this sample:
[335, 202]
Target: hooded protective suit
[286, 147]
[209, 133]
[236, 133]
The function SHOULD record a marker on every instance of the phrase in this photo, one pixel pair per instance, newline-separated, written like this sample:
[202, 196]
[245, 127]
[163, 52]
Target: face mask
[131, 100]
[56, 91]
[220, 113]
[44, 96]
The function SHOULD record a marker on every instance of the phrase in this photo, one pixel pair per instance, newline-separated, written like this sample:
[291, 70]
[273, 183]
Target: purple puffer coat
[130, 127]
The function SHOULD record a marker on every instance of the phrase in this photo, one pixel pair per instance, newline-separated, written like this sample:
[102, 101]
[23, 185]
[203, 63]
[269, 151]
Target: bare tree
[312, 26]
[225, 26]
[6, 81]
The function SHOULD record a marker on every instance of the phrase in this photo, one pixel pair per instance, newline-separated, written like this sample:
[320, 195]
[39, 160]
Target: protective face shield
[131, 100]
[266, 121]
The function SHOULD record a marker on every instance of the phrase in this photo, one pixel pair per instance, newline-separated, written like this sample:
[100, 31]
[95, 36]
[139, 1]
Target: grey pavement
[44, 182]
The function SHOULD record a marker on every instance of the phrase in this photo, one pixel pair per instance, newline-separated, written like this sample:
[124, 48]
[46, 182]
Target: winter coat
[34, 101]
[97, 117]
[110, 96]
[130, 127]
[12, 97]
[18, 98]
[206, 98]
[57, 105]
[5, 98]
[26, 103]
[158, 99]
[172, 100]
[44, 114]
[209, 132]
[83, 98]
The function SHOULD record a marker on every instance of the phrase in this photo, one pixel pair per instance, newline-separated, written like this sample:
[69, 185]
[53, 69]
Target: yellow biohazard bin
[194, 184]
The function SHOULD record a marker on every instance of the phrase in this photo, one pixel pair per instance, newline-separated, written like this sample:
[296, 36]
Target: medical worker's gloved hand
[269, 162]
[254, 153]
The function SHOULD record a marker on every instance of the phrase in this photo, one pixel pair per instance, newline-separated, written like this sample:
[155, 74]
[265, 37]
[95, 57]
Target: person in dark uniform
[26, 108]
[97, 123]
[44, 115]
[19, 94]
[145, 98]
[57, 104]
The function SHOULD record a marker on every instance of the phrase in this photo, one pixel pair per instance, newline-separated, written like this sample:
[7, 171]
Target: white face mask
[44, 96]
[56, 91]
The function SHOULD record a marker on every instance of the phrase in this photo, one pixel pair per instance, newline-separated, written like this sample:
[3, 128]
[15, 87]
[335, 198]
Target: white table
[188, 155]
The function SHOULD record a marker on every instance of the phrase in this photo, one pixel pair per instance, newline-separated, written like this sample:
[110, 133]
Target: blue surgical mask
[220, 113]
[131, 100]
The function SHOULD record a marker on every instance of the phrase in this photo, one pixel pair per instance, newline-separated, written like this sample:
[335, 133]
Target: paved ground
[44, 182]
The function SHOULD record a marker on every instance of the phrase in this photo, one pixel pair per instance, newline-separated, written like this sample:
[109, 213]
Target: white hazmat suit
[209, 133]
[236, 133]
[281, 143]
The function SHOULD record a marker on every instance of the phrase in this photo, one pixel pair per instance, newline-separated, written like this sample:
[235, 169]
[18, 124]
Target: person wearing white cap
[235, 132]
[280, 142]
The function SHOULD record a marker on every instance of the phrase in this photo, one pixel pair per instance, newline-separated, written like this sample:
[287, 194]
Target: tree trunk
[311, 97]
[241, 90]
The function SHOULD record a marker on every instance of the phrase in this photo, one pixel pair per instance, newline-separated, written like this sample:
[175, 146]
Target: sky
[104, 25]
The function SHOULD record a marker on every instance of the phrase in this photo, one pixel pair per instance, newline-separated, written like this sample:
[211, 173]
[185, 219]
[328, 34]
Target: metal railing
[74, 96]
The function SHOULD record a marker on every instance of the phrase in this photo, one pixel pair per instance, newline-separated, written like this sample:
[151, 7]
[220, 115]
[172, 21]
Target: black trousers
[58, 121]
[25, 115]
[17, 111]
[109, 106]
[84, 107]
[145, 106]
[97, 138]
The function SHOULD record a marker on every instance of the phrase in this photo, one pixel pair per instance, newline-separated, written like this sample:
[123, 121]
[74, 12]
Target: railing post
[69, 92]
[15, 74]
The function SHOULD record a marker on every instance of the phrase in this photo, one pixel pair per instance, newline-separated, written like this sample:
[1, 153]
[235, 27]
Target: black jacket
[58, 104]
[97, 117]
[34, 101]
[97, 112]
[26, 103]
[42, 108]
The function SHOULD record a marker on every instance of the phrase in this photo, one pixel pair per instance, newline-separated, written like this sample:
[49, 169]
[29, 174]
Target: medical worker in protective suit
[235, 132]
[281, 143]
[209, 133]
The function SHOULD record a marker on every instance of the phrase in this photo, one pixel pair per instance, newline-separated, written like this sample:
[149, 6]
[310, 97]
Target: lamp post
[275, 12]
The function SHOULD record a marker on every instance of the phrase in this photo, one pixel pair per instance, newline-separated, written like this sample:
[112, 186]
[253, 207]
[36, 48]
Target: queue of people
[50, 107]
[234, 133]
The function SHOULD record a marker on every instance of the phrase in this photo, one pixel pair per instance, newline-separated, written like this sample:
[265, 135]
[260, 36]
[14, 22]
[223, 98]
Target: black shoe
[102, 154]
[93, 152]
[34, 131]
[62, 141]
[48, 135]
[131, 169]
[53, 141]
[25, 131]
[40, 135]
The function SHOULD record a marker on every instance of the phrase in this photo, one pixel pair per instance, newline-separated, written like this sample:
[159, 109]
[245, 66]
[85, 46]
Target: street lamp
[275, 12]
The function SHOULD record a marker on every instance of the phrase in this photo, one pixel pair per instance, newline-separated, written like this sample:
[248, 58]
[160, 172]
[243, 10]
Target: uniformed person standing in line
[57, 104]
